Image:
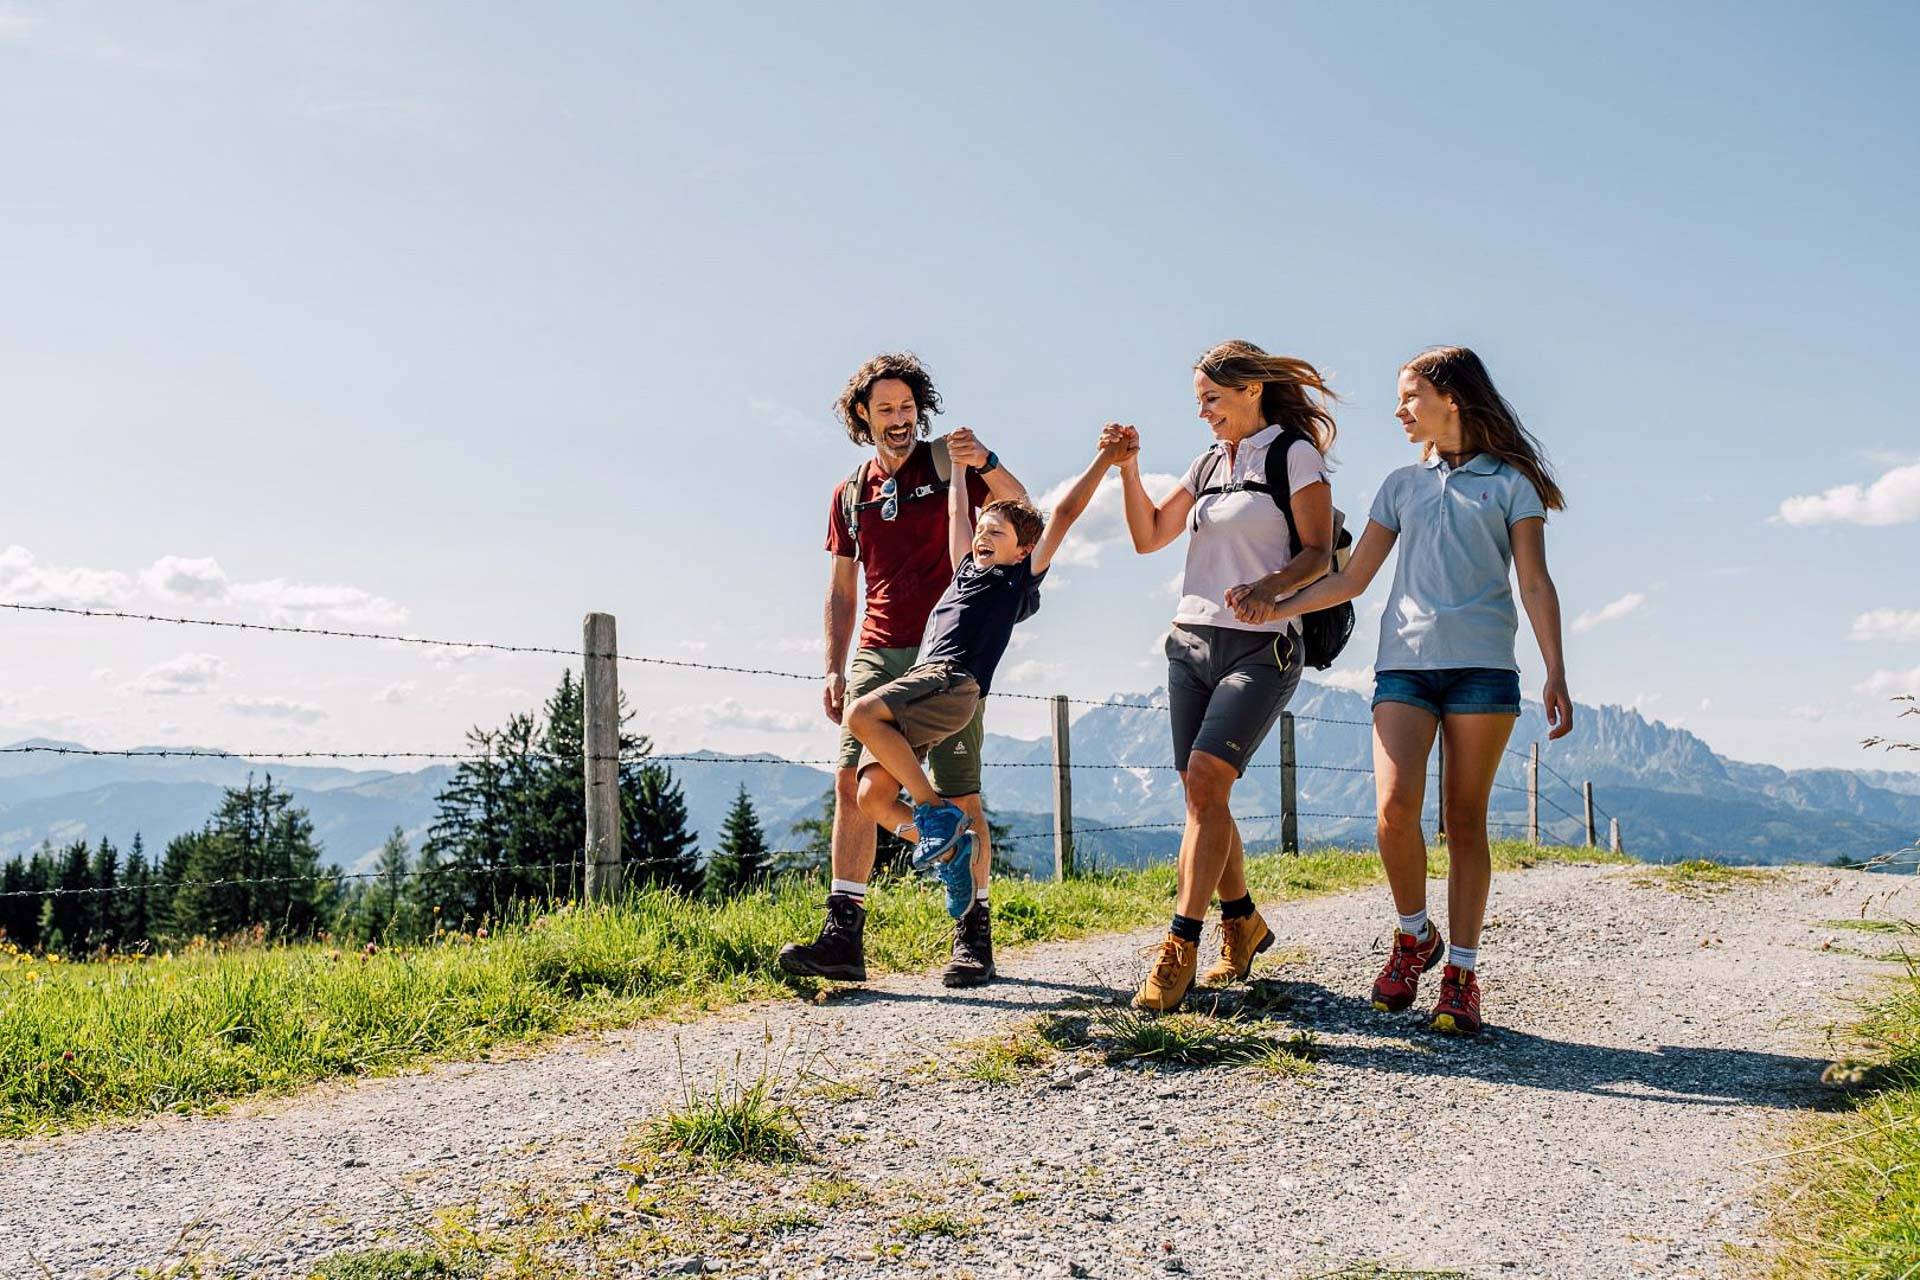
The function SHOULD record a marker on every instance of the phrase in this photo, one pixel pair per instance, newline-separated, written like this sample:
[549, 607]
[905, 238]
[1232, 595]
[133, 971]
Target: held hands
[965, 448]
[833, 698]
[1119, 445]
[1558, 705]
[1253, 601]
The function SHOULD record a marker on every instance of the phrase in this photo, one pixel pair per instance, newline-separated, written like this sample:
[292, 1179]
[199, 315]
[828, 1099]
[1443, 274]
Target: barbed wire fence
[602, 758]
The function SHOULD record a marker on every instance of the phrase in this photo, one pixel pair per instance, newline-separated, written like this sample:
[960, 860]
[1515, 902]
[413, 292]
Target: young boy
[998, 568]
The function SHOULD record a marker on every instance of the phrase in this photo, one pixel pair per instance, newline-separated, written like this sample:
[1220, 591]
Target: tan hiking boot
[1240, 941]
[1172, 975]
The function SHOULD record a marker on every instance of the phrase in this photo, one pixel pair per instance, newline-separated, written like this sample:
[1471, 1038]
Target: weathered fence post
[1062, 792]
[1613, 834]
[1533, 795]
[1440, 786]
[1593, 838]
[1289, 803]
[601, 742]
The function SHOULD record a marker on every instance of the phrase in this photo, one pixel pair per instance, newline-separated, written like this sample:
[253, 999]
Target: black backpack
[851, 506]
[1324, 632]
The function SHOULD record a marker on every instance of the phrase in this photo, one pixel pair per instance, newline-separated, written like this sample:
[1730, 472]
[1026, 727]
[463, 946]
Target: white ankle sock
[855, 889]
[1463, 957]
[1415, 925]
[981, 896]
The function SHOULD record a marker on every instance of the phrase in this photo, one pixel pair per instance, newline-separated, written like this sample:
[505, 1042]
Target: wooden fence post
[1440, 786]
[600, 699]
[1062, 792]
[1613, 833]
[1533, 795]
[1289, 801]
[1593, 838]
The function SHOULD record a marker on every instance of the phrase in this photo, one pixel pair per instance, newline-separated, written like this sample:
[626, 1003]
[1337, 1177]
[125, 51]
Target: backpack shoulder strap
[942, 460]
[850, 503]
[1281, 489]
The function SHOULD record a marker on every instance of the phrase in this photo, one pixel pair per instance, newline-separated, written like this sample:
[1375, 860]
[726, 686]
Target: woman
[1474, 507]
[1245, 503]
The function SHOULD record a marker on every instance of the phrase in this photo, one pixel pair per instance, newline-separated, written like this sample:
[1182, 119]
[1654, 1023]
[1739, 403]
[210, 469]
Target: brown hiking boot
[1172, 975]
[1240, 941]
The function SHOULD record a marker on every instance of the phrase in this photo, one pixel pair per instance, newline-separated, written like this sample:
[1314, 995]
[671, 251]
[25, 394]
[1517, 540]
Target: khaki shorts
[953, 764]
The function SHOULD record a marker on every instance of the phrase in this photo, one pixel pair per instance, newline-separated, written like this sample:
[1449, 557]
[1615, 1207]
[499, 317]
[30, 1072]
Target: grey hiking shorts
[1226, 688]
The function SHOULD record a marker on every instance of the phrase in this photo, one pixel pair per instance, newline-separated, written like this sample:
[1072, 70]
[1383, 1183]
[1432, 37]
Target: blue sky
[463, 320]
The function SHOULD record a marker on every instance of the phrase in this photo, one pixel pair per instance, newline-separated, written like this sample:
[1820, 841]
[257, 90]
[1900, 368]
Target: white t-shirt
[1240, 536]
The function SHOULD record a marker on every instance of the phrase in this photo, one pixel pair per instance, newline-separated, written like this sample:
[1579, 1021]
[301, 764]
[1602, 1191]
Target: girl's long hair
[1292, 392]
[1488, 424]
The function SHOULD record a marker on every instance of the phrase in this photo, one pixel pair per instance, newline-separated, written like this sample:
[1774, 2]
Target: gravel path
[1647, 1050]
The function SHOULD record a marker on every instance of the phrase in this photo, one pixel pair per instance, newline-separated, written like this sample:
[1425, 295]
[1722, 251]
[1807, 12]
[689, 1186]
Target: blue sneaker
[957, 874]
[941, 826]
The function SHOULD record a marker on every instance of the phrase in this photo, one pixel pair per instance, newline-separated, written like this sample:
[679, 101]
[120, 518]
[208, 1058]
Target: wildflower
[481, 932]
[371, 950]
[67, 1056]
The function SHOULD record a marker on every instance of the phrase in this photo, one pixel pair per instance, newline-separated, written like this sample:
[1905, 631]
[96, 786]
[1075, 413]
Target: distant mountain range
[1675, 798]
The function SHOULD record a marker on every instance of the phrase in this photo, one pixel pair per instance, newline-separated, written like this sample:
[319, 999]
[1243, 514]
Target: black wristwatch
[993, 460]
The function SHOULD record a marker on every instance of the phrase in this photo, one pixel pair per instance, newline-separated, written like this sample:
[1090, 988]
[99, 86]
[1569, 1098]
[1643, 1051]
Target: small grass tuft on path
[730, 1122]
[1699, 877]
[193, 1028]
[392, 1264]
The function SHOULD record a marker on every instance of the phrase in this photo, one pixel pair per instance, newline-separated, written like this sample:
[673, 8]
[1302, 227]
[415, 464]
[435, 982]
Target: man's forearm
[839, 629]
[1002, 483]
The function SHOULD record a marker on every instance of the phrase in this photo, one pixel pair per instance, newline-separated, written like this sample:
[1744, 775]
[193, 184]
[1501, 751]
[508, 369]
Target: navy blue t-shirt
[975, 617]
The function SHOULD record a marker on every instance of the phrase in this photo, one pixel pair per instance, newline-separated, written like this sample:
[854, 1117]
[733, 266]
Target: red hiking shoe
[1394, 989]
[1458, 1011]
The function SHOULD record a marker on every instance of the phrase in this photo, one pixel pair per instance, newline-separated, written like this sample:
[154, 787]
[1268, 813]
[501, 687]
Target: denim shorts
[1452, 691]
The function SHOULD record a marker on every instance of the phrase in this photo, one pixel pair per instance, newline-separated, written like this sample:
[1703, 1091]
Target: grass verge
[1848, 1203]
[194, 1028]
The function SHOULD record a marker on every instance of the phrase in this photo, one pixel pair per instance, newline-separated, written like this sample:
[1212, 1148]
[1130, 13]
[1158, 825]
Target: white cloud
[190, 673]
[1354, 681]
[1104, 522]
[1887, 624]
[1706, 704]
[25, 581]
[1613, 612]
[450, 655]
[1890, 684]
[1033, 670]
[1158, 649]
[15, 22]
[186, 578]
[395, 694]
[1892, 499]
[277, 709]
[1812, 715]
[729, 713]
[1175, 586]
[694, 646]
[799, 644]
[315, 605]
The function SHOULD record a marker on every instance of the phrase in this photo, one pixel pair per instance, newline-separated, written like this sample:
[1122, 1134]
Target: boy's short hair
[1028, 524]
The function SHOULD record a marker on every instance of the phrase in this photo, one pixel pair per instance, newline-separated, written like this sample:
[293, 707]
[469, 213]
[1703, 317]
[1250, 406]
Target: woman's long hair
[1488, 423]
[1292, 392]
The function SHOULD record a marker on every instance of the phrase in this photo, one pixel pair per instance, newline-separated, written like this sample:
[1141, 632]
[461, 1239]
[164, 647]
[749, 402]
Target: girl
[1472, 508]
[1258, 512]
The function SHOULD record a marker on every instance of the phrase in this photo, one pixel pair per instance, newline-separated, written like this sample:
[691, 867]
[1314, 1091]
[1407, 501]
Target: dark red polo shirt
[905, 560]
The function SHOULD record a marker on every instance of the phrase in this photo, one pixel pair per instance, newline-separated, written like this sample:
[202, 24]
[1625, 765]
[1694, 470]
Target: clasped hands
[1251, 602]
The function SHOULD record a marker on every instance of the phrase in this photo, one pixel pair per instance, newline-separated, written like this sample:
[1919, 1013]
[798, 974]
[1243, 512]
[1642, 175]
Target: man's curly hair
[903, 365]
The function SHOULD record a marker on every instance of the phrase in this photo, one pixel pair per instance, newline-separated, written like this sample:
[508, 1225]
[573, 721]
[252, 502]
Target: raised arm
[965, 447]
[843, 599]
[1073, 504]
[1542, 601]
[1335, 588]
[1152, 525]
[959, 516]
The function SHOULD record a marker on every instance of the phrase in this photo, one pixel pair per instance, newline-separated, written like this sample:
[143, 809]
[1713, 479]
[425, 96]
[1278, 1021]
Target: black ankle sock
[1238, 909]
[1185, 928]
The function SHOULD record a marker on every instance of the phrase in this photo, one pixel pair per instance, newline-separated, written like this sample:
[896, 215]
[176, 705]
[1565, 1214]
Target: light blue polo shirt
[1452, 601]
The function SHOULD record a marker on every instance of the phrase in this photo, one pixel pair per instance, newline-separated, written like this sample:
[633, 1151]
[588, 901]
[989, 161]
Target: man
[888, 522]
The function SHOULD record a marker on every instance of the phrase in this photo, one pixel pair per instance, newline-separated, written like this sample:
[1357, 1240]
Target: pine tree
[382, 910]
[136, 913]
[20, 907]
[659, 848]
[65, 916]
[255, 863]
[742, 859]
[105, 926]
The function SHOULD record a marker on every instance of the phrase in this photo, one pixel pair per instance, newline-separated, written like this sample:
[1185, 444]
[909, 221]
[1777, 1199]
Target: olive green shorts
[954, 766]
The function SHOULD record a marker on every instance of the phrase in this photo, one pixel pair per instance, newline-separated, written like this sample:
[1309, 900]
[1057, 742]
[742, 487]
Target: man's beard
[893, 442]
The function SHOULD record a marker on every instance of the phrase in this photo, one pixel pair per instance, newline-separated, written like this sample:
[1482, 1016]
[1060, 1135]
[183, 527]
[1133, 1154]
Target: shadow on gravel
[1032, 995]
[1664, 1073]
